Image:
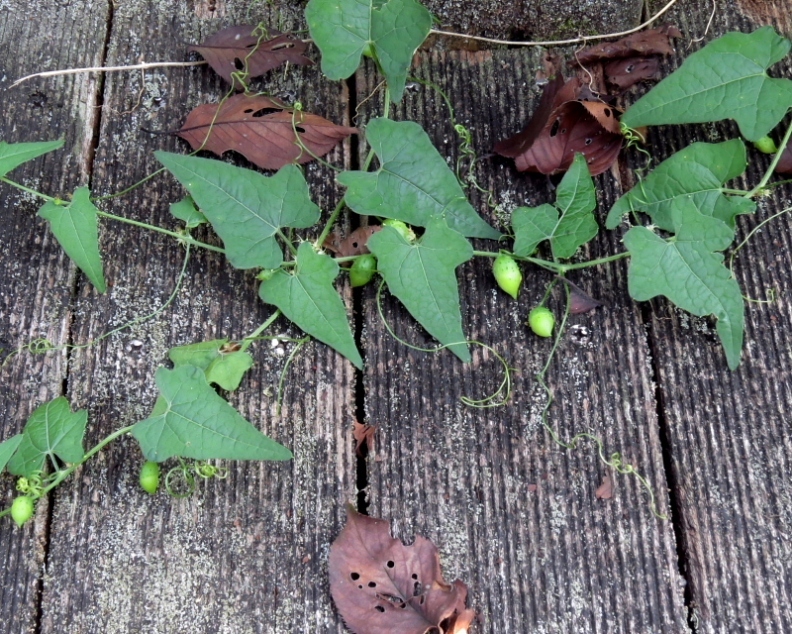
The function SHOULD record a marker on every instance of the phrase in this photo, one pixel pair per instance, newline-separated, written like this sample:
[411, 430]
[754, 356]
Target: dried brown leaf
[785, 162]
[365, 435]
[247, 47]
[354, 244]
[581, 302]
[605, 490]
[381, 586]
[625, 73]
[651, 42]
[261, 130]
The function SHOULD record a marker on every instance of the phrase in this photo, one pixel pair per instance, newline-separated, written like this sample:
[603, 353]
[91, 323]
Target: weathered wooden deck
[514, 515]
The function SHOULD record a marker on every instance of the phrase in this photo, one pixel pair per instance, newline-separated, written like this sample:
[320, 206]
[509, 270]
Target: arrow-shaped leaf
[727, 79]
[7, 449]
[413, 184]
[246, 208]
[186, 211]
[76, 229]
[52, 430]
[307, 297]
[423, 277]
[696, 176]
[190, 420]
[221, 366]
[12, 155]
[390, 30]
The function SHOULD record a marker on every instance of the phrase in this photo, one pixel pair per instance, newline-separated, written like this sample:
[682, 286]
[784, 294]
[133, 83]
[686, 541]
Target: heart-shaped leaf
[413, 184]
[389, 30]
[192, 421]
[247, 209]
[727, 79]
[76, 229]
[423, 277]
[307, 298]
[12, 155]
[52, 430]
[262, 130]
[252, 50]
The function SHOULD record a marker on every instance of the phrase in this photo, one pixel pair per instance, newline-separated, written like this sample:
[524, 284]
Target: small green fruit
[766, 145]
[22, 509]
[362, 270]
[541, 321]
[406, 232]
[507, 274]
[150, 477]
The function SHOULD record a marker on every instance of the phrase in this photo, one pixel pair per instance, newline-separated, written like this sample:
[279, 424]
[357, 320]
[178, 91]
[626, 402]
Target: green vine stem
[769, 173]
[248, 341]
[556, 267]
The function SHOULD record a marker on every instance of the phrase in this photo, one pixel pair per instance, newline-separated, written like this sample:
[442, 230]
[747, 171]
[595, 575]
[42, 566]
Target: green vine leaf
[568, 225]
[388, 30]
[307, 298]
[186, 211]
[246, 209]
[727, 79]
[687, 270]
[191, 420]
[12, 155]
[76, 228]
[423, 277]
[7, 449]
[52, 430]
[413, 184]
[696, 176]
[226, 369]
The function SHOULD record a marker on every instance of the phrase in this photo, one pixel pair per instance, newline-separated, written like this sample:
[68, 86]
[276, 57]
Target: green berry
[362, 270]
[766, 145]
[150, 477]
[406, 232]
[22, 509]
[541, 321]
[507, 274]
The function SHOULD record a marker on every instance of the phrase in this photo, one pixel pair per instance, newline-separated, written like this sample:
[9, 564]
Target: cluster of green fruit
[509, 277]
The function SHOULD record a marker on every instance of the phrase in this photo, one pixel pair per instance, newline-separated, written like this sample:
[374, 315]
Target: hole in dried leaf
[372, 584]
[264, 112]
[607, 112]
[379, 608]
[554, 129]
[414, 576]
[300, 130]
[355, 576]
[588, 141]
[238, 63]
[390, 564]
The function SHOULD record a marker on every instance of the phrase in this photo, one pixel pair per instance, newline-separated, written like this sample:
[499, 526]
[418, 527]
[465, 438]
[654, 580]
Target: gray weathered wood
[36, 279]
[515, 515]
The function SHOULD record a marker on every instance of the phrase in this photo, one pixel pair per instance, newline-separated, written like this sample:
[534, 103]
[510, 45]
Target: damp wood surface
[515, 516]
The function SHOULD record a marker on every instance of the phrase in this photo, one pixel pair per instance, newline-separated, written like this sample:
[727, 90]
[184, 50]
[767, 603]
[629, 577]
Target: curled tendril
[180, 481]
[32, 486]
[208, 471]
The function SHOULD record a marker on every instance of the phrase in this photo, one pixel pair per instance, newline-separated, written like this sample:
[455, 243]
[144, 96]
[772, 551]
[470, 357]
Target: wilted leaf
[423, 277]
[12, 155]
[727, 79]
[413, 184]
[251, 49]
[579, 301]
[76, 228]
[364, 435]
[261, 130]
[307, 297]
[52, 430]
[642, 44]
[354, 244]
[381, 586]
[192, 421]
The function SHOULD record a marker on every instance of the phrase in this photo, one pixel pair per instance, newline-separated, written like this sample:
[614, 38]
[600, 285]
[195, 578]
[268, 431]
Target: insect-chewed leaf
[693, 176]
[191, 420]
[251, 50]
[390, 30]
[76, 228]
[649, 42]
[52, 430]
[262, 130]
[12, 155]
[423, 277]
[245, 208]
[226, 368]
[307, 298]
[727, 79]
[381, 586]
[7, 449]
[413, 184]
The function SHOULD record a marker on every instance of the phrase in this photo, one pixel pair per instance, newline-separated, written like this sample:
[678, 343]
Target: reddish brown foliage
[354, 244]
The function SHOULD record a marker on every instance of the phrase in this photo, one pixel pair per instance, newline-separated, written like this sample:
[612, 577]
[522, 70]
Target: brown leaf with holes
[260, 129]
[364, 437]
[605, 490]
[381, 586]
[643, 44]
[625, 73]
[250, 48]
[354, 244]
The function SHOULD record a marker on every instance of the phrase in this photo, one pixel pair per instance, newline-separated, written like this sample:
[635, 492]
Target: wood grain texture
[248, 553]
[514, 514]
[36, 278]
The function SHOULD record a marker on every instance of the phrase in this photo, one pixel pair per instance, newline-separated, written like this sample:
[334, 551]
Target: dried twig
[104, 69]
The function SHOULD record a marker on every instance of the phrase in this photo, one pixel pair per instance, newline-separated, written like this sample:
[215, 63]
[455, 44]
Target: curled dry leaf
[381, 586]
[562, 126]
[364, 437]
[252, 49]
[261, 130]
[354, 244]
[643, 44]
[605, 490]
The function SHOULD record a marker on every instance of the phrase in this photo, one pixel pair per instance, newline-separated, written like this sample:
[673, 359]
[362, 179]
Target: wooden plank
[729, 431]
[36, 279]
[514, 515]
[245, 554]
